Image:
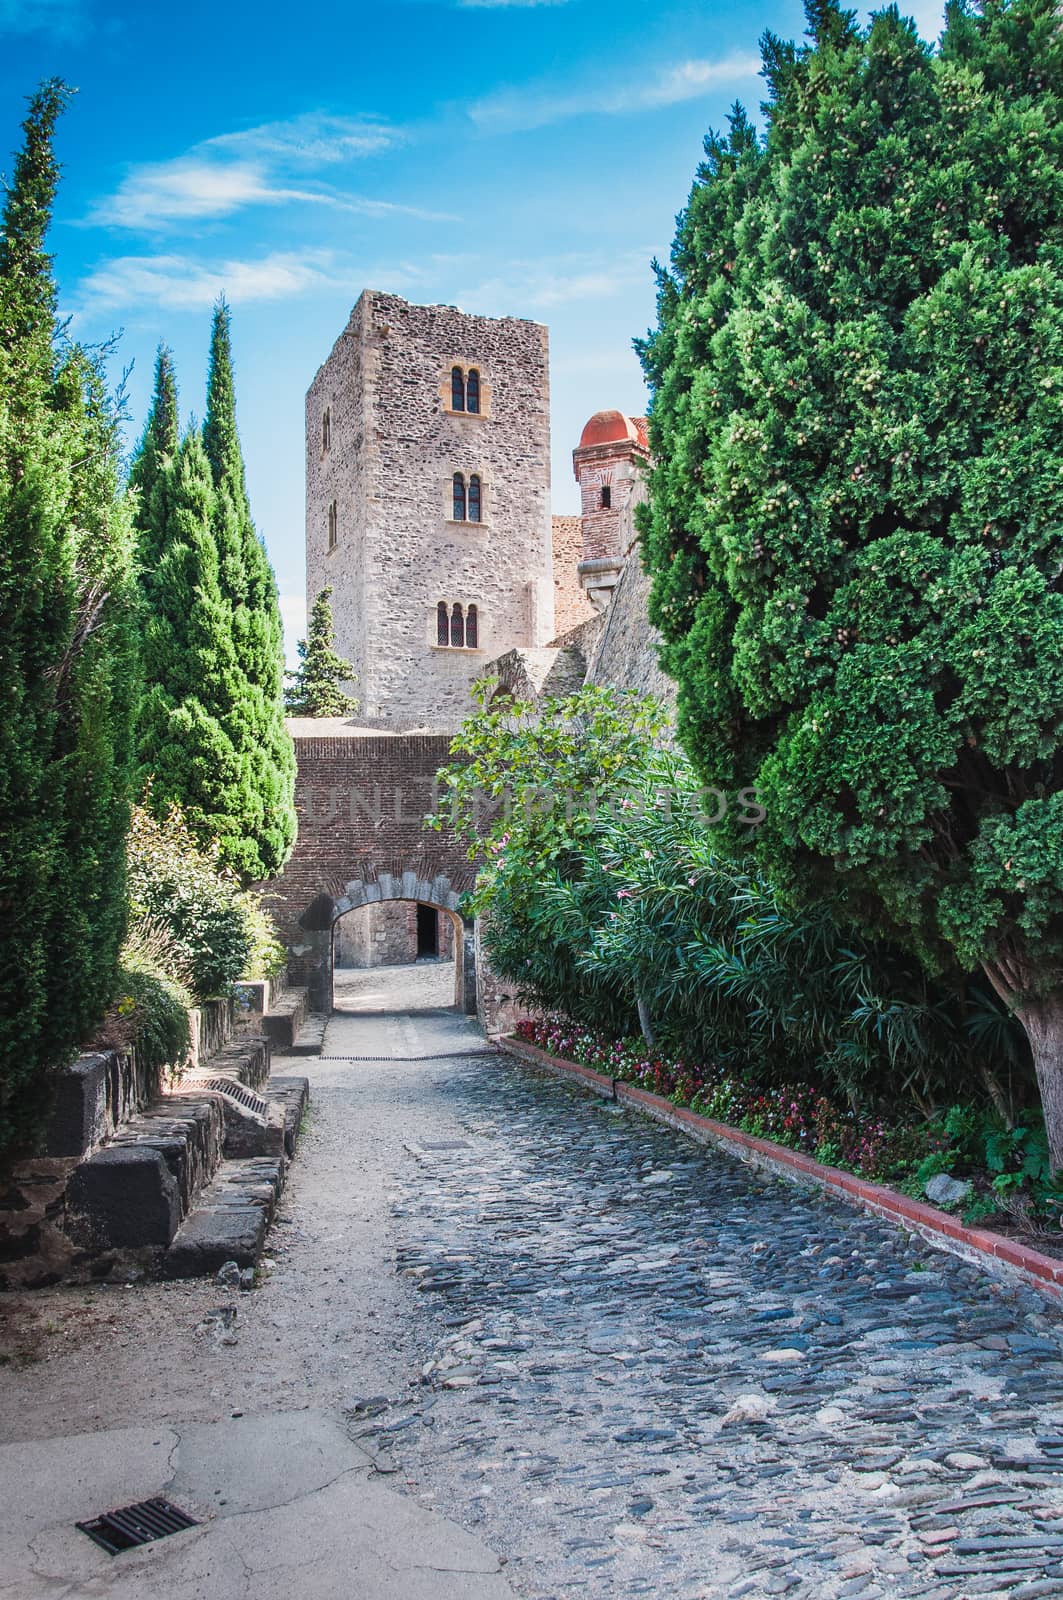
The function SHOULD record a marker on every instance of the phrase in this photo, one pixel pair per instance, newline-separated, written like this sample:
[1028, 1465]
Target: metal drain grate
[134, 1525]
[437, 1055]
[234, 1091]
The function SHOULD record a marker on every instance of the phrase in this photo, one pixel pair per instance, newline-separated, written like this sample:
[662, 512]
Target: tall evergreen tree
[158, 445]
[858, 491]
[67, 661]
[314, 690]
[256, 719]
[192, 676]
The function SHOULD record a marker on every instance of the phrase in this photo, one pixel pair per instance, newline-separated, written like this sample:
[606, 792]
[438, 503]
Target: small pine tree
[314, 690]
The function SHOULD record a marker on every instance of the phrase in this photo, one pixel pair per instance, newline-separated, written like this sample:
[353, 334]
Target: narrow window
[457, 628]
[474, 498]
[333, 525]
[472, 391]
[607, 497]
[457, 389]
[471, 628]
[459, 497]
[326, 429]
[442, 624]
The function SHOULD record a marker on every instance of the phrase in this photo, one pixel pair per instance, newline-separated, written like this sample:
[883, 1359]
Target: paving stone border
[991, 1251]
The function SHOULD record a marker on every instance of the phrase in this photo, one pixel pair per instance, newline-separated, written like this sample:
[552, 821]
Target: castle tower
[607, 462]
[428, 502]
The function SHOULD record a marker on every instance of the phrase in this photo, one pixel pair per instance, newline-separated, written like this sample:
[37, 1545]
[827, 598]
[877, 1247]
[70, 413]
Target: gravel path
[631, 1365]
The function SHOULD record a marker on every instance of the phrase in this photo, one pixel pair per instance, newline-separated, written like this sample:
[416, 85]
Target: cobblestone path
[633, 1366]
[654, 1372]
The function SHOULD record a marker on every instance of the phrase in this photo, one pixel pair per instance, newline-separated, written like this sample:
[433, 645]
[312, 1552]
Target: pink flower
[624, 894]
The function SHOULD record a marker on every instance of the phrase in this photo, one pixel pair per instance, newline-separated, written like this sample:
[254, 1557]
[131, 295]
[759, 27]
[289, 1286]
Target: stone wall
[386, 934]
[394, 446]
[571, 605]
[625, 651]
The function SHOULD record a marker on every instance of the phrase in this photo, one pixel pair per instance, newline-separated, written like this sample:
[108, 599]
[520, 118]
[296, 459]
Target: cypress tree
[256, 717]
[67, 661]
[315, 690]
[158, 445]
[858, 491]
[190, 668]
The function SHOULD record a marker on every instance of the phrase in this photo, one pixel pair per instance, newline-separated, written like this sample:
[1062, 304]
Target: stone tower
[428, 502]
[608, 462]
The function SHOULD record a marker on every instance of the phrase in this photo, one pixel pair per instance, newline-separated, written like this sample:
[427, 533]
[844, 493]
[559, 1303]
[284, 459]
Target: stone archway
[436, 892]
[315, 949]
[362, 796]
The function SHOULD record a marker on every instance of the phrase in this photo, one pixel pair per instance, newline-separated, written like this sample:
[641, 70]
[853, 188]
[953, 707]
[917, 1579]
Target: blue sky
[512, 157]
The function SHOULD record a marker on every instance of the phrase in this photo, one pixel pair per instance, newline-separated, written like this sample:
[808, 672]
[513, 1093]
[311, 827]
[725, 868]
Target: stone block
[79, 1114]
[123, 1197]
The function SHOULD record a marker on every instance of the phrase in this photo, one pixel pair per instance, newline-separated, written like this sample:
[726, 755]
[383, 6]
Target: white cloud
[265, 165]
[64, 19]
[174, 191]
[180, 283]
[535, 105]
[191, 188]
[314, 137]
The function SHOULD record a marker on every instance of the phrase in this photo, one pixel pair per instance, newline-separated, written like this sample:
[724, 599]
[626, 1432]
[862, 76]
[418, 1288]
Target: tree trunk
[1042, 1019]
[644, 1021]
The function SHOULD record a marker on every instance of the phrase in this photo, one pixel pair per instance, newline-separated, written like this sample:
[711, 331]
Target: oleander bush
[607, 898]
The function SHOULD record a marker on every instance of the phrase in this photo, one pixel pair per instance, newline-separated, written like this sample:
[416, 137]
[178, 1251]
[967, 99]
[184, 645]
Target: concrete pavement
[287, 1503]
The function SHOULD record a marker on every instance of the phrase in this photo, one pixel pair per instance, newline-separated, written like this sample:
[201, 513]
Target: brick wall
[360, 799]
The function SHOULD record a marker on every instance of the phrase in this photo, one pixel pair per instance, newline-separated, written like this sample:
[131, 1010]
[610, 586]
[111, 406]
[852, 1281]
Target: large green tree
[256, 722]
[67, 660]
[315, 688]
[856, 532]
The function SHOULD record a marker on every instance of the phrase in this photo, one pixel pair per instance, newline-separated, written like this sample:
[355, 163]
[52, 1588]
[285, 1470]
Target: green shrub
[608, 900]
[150, 1009]
[176, 883]
[267, 957]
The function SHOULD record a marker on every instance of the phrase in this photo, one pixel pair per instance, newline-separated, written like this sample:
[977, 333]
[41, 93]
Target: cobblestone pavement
[653, 1372]
[631, 1365]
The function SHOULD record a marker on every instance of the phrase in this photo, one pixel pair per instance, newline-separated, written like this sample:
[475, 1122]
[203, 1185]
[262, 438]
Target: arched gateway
[361, 798]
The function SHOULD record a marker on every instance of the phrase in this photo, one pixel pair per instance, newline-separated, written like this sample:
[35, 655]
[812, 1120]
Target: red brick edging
[937, 1227]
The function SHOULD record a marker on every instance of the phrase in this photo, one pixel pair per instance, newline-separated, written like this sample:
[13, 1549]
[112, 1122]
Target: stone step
[134, 1192]
[293, 1095]
[245, 1059]
[281, 1023]
[310, 1038]
[229, 1221]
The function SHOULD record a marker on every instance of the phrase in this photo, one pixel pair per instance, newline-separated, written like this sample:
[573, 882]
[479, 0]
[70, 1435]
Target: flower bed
[796, 1115]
